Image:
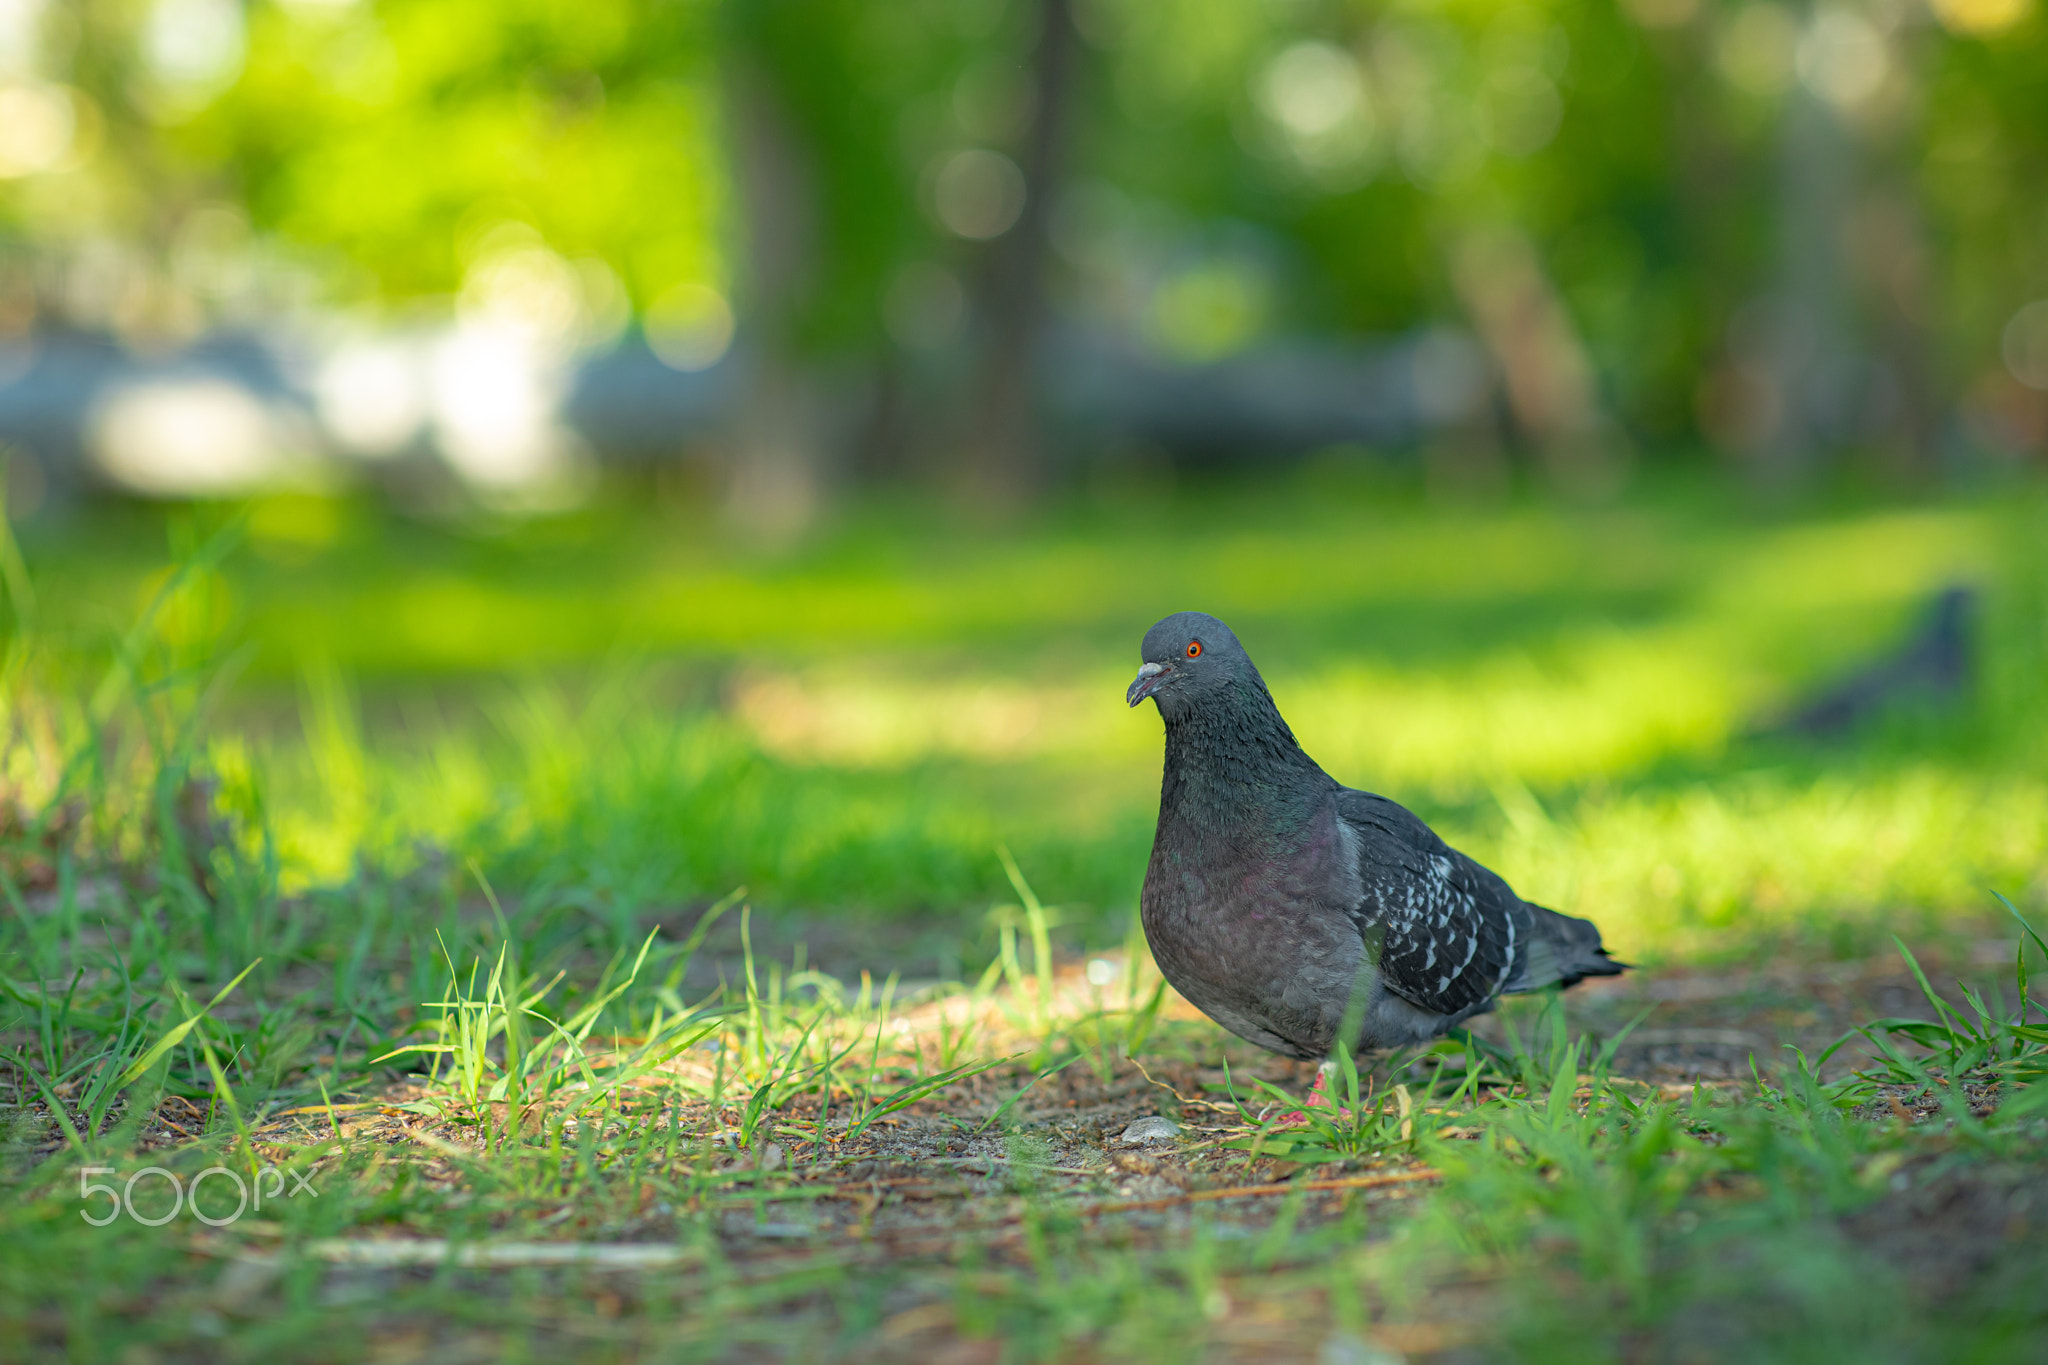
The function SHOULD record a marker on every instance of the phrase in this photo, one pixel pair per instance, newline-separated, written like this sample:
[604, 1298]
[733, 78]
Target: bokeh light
[977, 193]
[690, 327]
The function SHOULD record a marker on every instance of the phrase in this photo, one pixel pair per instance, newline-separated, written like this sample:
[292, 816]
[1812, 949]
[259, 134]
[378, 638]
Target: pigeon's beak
[1147, 682]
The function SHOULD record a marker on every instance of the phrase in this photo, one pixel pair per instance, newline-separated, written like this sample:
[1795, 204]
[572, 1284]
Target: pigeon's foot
[1318, 1098]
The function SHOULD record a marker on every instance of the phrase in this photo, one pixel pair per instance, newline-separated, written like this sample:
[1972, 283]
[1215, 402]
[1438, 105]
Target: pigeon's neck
[1234, 768]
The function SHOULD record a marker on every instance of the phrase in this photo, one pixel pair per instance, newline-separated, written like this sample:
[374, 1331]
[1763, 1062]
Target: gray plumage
[1274, 892]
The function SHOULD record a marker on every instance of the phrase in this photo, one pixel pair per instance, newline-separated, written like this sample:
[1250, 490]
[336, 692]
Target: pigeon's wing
[1448, 929]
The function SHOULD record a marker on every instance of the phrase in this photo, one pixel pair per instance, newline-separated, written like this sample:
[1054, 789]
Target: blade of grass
[177, 1034]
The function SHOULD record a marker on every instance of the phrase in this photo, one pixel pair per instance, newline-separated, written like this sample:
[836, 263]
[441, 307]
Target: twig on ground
[994, 1161]
[1356, 1182]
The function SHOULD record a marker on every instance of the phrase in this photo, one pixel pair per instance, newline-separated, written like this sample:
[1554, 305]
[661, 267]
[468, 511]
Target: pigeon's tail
[1562, 951]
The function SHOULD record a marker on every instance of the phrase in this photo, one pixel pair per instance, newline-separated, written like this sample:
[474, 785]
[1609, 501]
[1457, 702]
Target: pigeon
[1934, 667]
[1292, 909]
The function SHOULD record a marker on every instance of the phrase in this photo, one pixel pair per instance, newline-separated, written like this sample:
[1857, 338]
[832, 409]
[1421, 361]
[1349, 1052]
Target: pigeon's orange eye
[1194, 649]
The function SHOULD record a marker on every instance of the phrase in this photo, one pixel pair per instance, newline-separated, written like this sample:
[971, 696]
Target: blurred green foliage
[1237, 170]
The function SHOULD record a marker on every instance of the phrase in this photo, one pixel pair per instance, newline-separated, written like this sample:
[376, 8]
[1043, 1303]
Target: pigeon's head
[1188, 657]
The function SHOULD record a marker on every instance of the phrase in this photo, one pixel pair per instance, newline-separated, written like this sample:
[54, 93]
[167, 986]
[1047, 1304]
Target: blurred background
[656, 444]
[1010, 247]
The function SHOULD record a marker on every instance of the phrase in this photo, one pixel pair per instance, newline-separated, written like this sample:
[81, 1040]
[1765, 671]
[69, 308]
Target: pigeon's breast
[1255, 929]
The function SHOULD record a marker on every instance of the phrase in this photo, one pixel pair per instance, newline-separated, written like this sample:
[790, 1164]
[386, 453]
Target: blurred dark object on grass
[1933, 668]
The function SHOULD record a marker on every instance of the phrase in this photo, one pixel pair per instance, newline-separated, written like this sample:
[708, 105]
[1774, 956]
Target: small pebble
[1342, 1348]
[1146, 1131]
[782, 1229]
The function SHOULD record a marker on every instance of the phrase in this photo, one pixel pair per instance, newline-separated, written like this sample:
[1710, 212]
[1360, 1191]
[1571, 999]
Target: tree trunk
[1550, 387]
[1002, 463]
[776, 472]
[1803, 342]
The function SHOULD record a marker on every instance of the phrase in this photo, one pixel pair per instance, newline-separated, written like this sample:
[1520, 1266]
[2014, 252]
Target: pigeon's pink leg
[1318, 1098]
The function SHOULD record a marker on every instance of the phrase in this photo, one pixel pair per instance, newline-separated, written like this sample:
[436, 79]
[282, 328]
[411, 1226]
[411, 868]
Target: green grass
[305, 795]
[625, 705]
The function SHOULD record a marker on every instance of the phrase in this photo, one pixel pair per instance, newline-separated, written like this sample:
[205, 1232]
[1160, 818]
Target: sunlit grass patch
[1566, 693]
[1697, 869]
